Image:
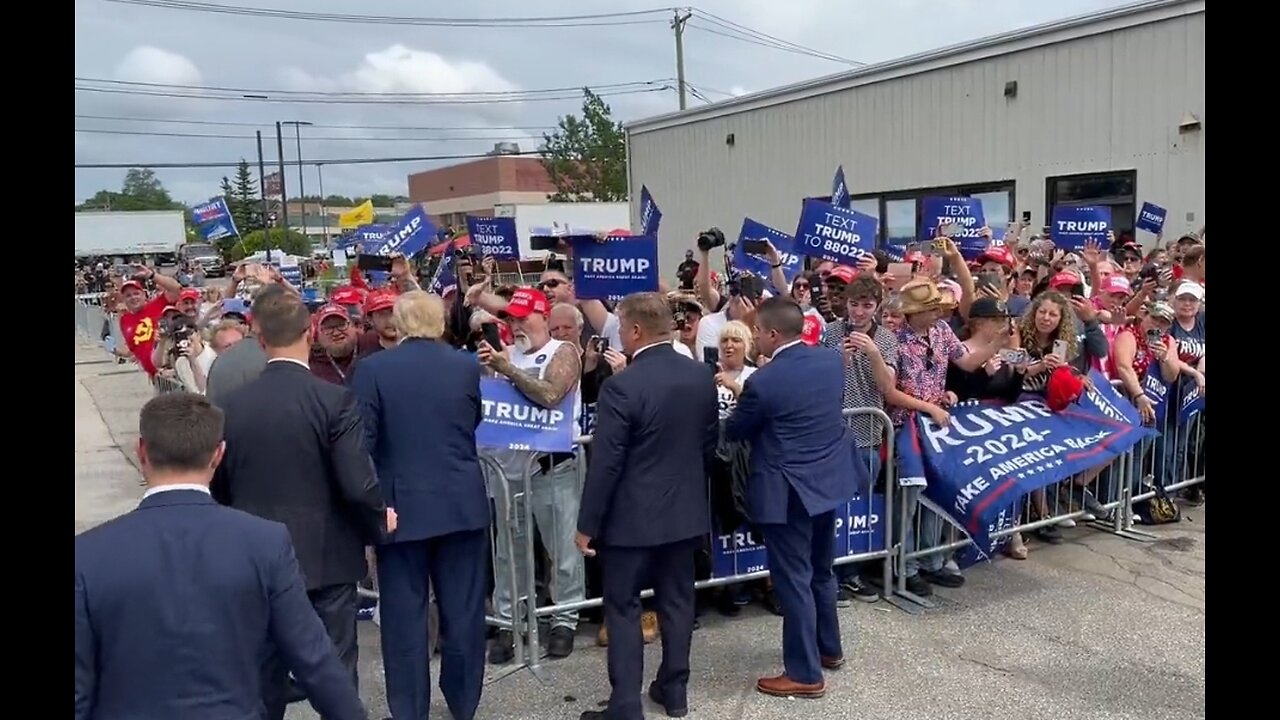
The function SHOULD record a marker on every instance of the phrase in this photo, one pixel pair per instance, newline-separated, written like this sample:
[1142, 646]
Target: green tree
[294, 243]
[141, 190]
[339, 201]
[243, 200]
[586, 157]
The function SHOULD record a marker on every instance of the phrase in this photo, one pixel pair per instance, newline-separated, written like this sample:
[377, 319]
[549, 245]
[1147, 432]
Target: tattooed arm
[563, 373]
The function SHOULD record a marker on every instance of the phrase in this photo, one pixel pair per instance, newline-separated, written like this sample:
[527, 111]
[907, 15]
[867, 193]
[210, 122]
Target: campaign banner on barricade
[961, 217]
[495, 237]
[650, 215]
[1191, 405]
[991, 454]
[1073, 226]
[511, 421]
[792, 262]
[615, 267]
[1151, 218]
[833, 233]
[1156, 389]
[860, 529]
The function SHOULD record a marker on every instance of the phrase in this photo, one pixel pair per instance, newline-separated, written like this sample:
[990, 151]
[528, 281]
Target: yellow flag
[362, 214]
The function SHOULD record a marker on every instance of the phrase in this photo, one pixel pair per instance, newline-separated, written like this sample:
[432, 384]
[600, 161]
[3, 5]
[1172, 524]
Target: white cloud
[152, 65]
[401, 69]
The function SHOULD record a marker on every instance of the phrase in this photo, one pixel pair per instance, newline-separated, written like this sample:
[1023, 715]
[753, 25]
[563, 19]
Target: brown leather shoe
[832, 663]
[783, 686]
[649, 626]
[602, 636]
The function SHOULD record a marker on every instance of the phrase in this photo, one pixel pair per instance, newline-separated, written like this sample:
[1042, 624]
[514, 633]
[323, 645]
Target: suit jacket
[656, 432]
[790, 413]
[177, 603]
[421, 406]
[295, 454]
[240, 365]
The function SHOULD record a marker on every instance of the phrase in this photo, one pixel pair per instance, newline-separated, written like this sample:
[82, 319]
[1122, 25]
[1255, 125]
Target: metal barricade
[1104, 497]
[885, 555]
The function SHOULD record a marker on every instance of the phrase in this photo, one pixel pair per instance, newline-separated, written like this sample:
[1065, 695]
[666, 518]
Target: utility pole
[262, 186]
[302, 191]
[284, 194]
[677, 24]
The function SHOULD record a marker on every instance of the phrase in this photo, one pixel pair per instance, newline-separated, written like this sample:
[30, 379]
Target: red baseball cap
[132, 284]
[189, 294]
[812, 334]
[1063, 388]
[526, 301]
[843, 273]
[1066, 278]
[379, 300]
[346, 295]
[997, 254]
[331, 310]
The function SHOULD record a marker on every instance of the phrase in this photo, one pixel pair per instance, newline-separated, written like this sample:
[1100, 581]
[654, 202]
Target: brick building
[449, 194]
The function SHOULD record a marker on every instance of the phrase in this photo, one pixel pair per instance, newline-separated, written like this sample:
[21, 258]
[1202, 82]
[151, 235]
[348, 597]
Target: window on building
[900, 219]
[1116, 190]
[899, 211]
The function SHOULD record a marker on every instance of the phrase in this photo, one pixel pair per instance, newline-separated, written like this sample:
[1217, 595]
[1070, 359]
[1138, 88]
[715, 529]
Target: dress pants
[670, 567]
[454, 565]
[800, 554]
[336, 605]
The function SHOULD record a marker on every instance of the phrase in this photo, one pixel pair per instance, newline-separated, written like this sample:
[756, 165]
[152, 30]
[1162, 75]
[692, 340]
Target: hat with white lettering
[1116, 285]
[525, 301]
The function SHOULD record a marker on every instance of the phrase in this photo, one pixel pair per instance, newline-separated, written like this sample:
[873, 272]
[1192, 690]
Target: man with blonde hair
[421, 405]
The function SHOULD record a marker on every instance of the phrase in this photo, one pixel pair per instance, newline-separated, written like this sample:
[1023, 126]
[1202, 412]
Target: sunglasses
[550, 284]
[338, 327]
[800, 286]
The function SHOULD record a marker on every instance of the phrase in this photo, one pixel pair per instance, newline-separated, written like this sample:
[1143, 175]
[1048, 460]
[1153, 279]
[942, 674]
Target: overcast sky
[140, 44]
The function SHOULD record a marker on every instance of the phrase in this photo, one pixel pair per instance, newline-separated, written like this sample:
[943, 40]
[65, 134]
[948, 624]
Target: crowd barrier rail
[1104, 498]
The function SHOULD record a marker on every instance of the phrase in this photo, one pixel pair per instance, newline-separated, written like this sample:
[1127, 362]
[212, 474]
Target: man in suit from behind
[421, 406]
[177, 601]
[296, 455]
[802, 470]
[645, 507]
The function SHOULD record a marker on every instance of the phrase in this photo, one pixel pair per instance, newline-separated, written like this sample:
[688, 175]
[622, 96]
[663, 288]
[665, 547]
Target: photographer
[181, 351]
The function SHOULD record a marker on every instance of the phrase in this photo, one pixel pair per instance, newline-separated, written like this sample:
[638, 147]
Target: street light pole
[284, 194]
[324, 212]
[302, 193]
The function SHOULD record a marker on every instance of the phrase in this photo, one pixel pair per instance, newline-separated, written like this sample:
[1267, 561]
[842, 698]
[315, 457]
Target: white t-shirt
[726, 401]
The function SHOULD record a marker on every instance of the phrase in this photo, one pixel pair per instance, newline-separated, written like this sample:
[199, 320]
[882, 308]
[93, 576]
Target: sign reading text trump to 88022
[512, 421]
[495, 237]
[833, 233]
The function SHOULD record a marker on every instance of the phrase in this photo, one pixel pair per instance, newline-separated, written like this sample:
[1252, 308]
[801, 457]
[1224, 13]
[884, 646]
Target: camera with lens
[747, 285]
[178, 328]
[710, 238]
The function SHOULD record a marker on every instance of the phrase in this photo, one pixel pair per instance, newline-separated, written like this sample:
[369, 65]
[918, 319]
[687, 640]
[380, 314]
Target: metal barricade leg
[504, 525]
[533, 654]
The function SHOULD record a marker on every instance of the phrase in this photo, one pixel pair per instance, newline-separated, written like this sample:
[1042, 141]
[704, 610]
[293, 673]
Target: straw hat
[919, 295]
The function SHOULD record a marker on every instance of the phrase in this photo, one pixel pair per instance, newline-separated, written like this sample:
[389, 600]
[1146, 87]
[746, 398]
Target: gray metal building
[1102, 109]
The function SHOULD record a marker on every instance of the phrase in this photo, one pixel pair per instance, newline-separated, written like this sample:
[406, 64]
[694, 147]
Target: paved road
[1097, 628]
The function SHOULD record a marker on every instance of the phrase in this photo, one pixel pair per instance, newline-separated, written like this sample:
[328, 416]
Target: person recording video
[182, 352]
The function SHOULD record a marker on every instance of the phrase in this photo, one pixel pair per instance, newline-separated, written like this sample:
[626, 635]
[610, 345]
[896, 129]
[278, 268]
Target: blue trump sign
[1151, 218]
[413, 234]
[512, 421]
[1073, 226]
[834, 233]
[792, 262]
[993, 453]
[615, 267]
[840, 190]
[961, 218]
[650, 215]
[738, 552]
[494, 237]
[214, 219]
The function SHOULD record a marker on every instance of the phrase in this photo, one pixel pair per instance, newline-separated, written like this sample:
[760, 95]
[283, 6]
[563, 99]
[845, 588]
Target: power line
[592, 20]
[309, 138]
[247, 97]
[294, 163]
[576, 89]
[761, 38]
[232, 123]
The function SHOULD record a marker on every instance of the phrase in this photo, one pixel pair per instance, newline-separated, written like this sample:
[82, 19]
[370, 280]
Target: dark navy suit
[178, 602]
[645, 506]
[421, 404]
[802, 470]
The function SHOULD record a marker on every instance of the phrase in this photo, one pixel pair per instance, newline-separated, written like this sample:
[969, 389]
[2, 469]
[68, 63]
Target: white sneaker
[951, 566]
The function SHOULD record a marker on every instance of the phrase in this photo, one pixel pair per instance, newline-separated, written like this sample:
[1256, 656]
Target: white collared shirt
[176, 486]
[292, 360]
[784, 346]
[636, 354]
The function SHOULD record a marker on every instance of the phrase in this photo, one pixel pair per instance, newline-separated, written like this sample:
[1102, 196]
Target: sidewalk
[108, 398]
